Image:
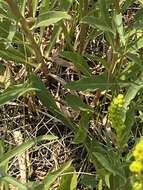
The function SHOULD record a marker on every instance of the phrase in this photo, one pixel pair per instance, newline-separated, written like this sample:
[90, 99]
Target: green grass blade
[14, 182]
[52, 176]
[51, 17]
[34, 6]
[4, 168]
[64, 5]
[13, 93]
[23, 147]
[91, 83]
[69, 181]
[56, 33]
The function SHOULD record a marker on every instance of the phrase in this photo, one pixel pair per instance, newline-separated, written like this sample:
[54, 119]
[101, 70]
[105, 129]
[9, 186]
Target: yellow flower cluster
[137, 165]
[137, 186]
[116, 112]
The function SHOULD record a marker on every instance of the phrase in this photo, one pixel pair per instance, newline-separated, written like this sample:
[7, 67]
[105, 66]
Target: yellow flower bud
[136, 166]
[138, 152]
[116, 112]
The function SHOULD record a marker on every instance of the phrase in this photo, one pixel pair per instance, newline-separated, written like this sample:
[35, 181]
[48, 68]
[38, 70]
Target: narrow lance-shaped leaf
[79, 62]
[97, 23]
[46, 98]
[119, 27]
[55, 34]
[51, 17]
[12, 31]
[51, 177]
[82, 132]
[4, 168]
[105, 12]
[69, 180]
[64, 5]
[23, 147]
[126, 5]
[76, 103]
[14, 182]
[14, 92]
[34, 6]
[132, 92]
[91, 83]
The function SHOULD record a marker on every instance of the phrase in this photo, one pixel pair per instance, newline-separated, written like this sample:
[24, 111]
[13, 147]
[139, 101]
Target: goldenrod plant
[71, 70]
[116, 114]
[137, 166]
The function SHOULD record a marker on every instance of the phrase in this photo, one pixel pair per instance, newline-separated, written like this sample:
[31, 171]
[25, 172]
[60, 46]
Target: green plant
[76, 24]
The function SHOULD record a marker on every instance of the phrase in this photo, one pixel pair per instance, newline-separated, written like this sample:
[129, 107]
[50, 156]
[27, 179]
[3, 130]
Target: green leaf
[136, 59]
[105, 159]
[136, 46]
[139, 15]
[82, 132]
[11, 53]
[68, 181]
[99, 59]
[22, 6]
[4, 168]
[76, 103]
[89, 181]
[78, 61]
[51, 177]
[97, 23]
[43, 92]
[44, 6]
[91, 83]
[4, 28]
[55, 34]
[119, 26]
[130, 119]
[34, 6]
[5, 11]
[14, 92]
[65, 4]
[107, 164]
[46, 98]
[23, 147]
[12, 31]
[132, 91]
[104, 9]
[100, 184]
[141, 2]
[14, 182]
[126, 5]
[51, 17]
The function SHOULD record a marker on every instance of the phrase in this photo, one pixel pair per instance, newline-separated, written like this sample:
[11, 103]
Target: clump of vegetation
[71, 85]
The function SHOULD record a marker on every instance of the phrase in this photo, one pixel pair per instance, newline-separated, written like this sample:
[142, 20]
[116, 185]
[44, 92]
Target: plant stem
[84, 27]
[24, 26]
